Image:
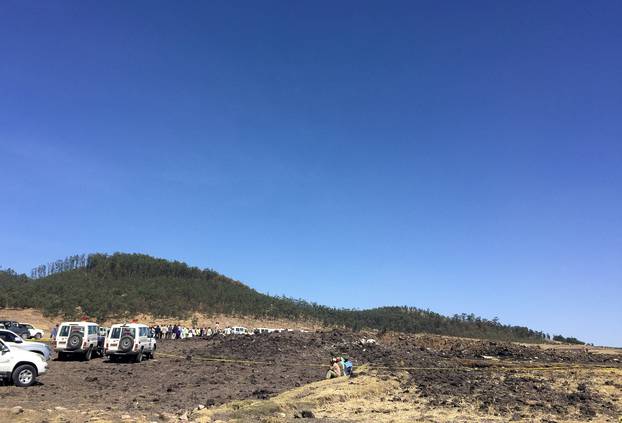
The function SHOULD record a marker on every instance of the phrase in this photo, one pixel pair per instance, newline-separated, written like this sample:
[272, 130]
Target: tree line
[58, 266]
[123, 285]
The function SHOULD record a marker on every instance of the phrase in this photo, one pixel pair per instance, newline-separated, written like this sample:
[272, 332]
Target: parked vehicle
[20, 366]
[16, 327]
[13, 340]
[237, 330]
[132, 340]
[258, 331]
[77, 338]
[33, 331]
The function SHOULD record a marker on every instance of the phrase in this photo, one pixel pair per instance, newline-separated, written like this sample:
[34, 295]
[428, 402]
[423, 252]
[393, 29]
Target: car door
[62, 335]
[143, 341]
[6, 366]
[93, 335]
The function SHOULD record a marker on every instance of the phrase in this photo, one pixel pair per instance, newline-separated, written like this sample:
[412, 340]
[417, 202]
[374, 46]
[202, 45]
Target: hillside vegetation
[124, 285]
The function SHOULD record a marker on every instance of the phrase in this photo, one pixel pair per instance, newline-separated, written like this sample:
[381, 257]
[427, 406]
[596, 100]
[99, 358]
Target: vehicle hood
[36, 344]
[27, 355]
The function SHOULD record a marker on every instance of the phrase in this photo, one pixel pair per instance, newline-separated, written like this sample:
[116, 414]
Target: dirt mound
[431, 371]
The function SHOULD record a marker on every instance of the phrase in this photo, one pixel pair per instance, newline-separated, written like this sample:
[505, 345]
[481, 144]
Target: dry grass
[374, 398]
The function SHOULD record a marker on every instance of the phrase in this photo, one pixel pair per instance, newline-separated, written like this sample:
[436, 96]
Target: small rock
[201, 407]
[17, 410]
[60, 409]
[126, 417]
[184, 417]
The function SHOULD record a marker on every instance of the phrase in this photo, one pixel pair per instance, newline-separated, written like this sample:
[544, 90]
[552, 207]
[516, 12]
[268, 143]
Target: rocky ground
[498, 379]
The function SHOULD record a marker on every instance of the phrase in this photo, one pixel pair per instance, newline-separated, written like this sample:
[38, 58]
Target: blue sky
[452, 156]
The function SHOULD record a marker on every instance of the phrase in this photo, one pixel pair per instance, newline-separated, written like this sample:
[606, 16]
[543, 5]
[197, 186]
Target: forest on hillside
[104, 286]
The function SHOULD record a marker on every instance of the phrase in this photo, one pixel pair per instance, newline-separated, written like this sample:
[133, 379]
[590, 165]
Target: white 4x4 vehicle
[20, 366]
[130, 339]
[77, 338]
[34, 332]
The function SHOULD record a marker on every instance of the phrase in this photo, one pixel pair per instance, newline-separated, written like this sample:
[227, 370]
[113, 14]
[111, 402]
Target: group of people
[181, 332]
[340, 366]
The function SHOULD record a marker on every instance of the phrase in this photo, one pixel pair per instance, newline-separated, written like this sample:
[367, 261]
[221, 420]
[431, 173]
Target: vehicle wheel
[126, 343]
[24, 375]
[25, 336]
[88, 353]
[152, 355]
[139, 356]
[74, 341]
[37, 336]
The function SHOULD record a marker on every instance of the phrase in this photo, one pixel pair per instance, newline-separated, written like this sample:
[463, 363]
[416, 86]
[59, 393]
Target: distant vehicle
[77, 338]
[20, 366]
[268, 330]
[132, 340]
[33, 331]
[238, 330]
[16, 327]
[13, 340]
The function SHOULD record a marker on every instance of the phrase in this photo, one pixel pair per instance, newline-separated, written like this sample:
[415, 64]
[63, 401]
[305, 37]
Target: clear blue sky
[457, 156]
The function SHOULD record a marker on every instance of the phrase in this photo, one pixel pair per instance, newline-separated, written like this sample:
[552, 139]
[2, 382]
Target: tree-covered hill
[123, 285]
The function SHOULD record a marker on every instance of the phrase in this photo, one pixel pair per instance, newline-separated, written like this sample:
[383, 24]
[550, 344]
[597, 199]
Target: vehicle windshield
[117, 333]
[29, 327]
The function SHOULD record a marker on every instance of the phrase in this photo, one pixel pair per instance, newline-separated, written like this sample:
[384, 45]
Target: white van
[238, 330]
[20, 366]
[130, 340]
[77, 338]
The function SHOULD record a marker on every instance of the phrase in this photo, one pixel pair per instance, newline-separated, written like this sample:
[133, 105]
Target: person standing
[54, 332]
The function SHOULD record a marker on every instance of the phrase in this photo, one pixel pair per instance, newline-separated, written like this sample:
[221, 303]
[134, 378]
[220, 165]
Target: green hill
[123, 285]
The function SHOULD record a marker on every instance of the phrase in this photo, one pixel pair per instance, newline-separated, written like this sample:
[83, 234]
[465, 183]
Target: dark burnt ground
[182, 376]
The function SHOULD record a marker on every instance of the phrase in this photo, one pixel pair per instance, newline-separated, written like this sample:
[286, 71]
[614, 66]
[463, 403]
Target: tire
[24, 375]
[25, 336]
[139, 356]
[152, 355]
[126, 343]
[37, 336]
[74, 341]
[88, 354]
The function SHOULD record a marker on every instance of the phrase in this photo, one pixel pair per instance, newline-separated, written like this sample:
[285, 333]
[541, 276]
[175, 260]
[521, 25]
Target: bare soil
[512, 382]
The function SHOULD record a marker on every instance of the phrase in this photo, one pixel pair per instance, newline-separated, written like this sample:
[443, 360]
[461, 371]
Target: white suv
[20, 366]
[34, 332]
[77, 338]
[130, 339]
